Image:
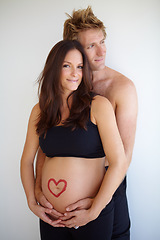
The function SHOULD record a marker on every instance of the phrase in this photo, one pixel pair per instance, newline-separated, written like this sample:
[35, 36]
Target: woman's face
[72, 69]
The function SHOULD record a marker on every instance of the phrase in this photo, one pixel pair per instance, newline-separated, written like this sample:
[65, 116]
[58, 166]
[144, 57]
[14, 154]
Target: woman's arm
[27, 169]
[28, 155]
[103, 115]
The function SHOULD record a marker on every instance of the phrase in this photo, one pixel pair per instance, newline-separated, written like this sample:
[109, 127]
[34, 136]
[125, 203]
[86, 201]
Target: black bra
[62, 141]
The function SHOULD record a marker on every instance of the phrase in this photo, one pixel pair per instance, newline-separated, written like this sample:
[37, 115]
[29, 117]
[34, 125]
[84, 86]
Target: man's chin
[98, 68]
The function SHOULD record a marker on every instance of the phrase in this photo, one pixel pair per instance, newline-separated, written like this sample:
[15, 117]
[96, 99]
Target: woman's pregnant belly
[66, 180]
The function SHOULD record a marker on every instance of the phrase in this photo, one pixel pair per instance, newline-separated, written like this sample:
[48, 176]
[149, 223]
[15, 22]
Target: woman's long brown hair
[50, 90]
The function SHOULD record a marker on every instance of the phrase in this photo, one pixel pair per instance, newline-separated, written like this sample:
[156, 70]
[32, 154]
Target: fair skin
[71, 74]
[121, 93]
[101, 110]
[118, 89]
[70, 71]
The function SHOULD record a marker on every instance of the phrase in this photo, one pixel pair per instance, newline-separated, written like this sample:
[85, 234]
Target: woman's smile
[72, 80]
[72, 71]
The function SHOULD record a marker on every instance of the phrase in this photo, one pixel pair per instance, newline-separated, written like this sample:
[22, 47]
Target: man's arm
[38, 190]
[126, 115]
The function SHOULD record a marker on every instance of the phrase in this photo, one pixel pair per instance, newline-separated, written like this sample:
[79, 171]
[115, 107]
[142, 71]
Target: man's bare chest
[105, 90]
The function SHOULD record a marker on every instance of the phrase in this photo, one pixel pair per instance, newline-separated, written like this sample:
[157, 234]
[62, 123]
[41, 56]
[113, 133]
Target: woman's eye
[65, 65]
[80, 67]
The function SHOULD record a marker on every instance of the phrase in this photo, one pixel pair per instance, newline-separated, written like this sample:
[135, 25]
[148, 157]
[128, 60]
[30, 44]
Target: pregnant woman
[75, 130]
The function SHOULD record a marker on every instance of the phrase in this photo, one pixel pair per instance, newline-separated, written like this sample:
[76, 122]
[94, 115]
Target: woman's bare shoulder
[35, 112]
[101, 106]
[100, 101]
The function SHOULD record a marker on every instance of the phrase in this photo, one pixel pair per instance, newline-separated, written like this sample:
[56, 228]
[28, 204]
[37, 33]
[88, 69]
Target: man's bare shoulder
[118, 80]
[119, 85]
[122, 90]
[114, 86]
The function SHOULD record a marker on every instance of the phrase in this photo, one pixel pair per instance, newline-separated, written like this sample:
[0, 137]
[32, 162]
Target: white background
[28, 31]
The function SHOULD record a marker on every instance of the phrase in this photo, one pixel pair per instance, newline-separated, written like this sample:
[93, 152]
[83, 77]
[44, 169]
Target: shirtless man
[85, 27]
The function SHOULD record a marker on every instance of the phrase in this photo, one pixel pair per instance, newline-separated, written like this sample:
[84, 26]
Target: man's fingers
[53, 214]
[67, 216]
[46, 218]
[43, 201]
[69, 223]
[56, 213]
[57, 224]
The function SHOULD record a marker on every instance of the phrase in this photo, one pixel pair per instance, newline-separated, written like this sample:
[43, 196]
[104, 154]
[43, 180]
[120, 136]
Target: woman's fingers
[76, 218]
[81, 204]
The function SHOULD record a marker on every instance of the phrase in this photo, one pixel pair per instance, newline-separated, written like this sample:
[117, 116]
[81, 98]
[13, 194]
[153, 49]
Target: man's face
[93, 42]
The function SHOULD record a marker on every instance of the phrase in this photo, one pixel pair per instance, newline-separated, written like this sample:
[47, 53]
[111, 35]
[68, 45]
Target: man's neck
[101, 75]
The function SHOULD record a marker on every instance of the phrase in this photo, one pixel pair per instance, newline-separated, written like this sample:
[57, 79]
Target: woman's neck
[65, 108]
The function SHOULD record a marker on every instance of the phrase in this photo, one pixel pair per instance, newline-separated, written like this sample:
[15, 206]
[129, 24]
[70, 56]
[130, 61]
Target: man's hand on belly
[41, 199]
[52, 215]
[45, 213]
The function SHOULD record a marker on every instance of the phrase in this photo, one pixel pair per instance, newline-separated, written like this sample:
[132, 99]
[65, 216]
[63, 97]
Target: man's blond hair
[81, 20]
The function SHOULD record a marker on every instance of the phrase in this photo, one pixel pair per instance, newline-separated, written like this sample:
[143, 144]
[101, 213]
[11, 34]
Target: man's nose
[100, 51]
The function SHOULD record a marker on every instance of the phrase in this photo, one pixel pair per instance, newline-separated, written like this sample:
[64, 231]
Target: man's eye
[90, 46]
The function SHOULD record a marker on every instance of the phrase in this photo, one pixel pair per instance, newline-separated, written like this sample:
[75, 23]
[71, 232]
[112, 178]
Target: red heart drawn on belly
[57, 190]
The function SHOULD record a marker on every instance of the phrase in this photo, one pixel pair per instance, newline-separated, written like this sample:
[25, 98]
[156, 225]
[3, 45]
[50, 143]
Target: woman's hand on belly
[66, 180]
[81, 204]
[77, 218]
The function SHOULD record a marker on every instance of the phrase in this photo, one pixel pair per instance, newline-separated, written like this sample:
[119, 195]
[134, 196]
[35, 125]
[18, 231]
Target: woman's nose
[74, 71]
